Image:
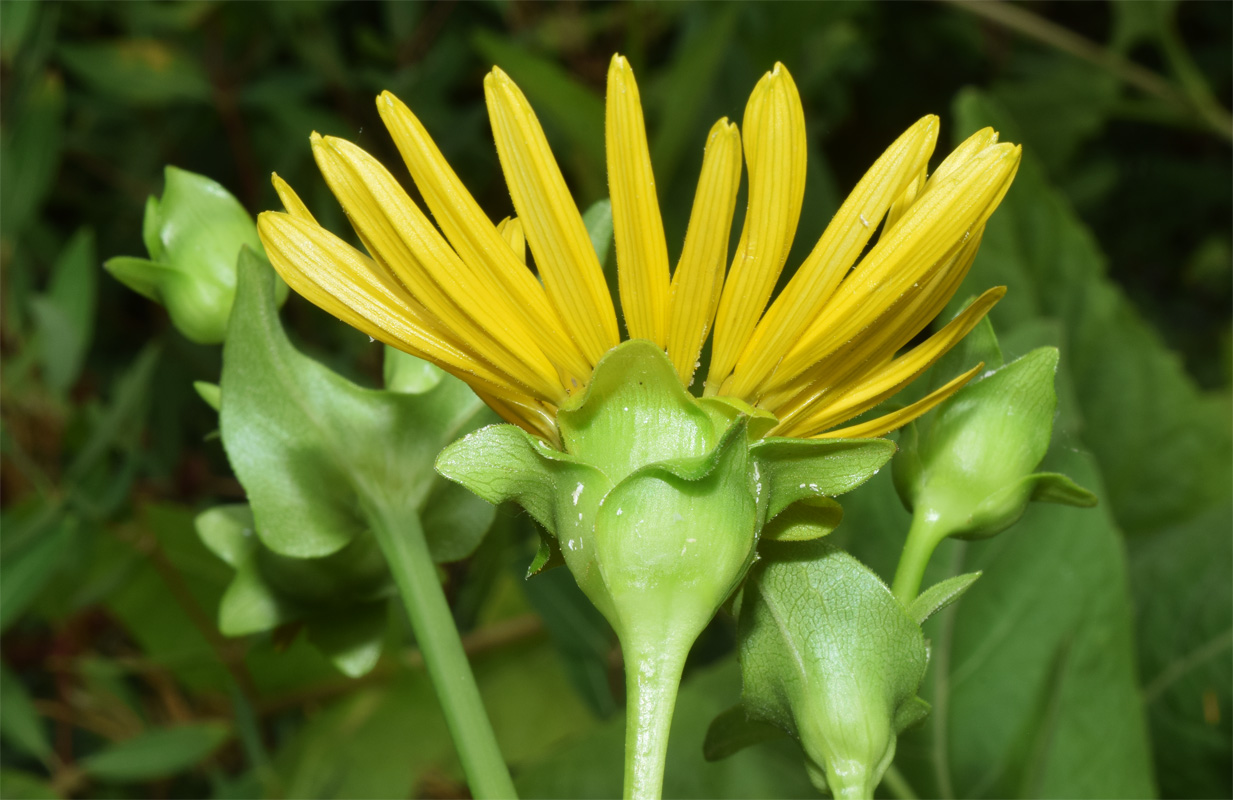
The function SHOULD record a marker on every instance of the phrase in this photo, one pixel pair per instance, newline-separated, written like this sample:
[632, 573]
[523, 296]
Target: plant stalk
[923, 539]
[651, 682]
[406, 552]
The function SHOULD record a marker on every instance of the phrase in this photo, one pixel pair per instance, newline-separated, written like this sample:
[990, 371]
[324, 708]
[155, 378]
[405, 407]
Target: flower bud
[194, 235]
[967, 469]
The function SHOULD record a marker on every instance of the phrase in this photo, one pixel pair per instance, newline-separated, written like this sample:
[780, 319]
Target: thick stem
[923, 539]
[406, 551]
[651, 682]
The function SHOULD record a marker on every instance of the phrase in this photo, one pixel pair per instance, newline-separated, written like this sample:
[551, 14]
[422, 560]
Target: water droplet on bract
[864, 221]
[577, 493]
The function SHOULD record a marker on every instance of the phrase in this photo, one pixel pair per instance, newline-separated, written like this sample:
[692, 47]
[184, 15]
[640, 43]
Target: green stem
[651, 683]
[923, 539]
[898, 785]
[406, 551]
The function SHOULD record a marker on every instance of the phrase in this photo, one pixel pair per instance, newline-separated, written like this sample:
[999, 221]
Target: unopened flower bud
[194, 235]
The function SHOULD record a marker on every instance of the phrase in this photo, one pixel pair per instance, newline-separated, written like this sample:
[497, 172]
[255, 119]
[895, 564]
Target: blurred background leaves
[1094, 658]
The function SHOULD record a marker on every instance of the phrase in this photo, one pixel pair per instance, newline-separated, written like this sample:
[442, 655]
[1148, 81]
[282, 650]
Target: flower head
[460, 293]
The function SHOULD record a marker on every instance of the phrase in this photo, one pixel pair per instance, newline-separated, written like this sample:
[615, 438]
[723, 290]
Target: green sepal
[732, 731]
[830, 656]
[547, 556]
[911, 713]
[793, 469]
[805, 520]
[666, 422]
[503, 463]
[725, 411]
[674, 540]
[939, 596]
[210, 393]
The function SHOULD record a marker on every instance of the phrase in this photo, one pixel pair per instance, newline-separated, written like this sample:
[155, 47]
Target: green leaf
[15, 783]
[312, 448]
[680, 95]
[793, 469]
[20, 725]
[138, 71]
[156, 753]
[1165, 450]
[24, 573]
[733, 731]
[121, 423]
[939, 596]
[30, 148]
[251, 605]
[65, 314]
[806, 519]
[830, 656]
[598, 221]
[454, 523]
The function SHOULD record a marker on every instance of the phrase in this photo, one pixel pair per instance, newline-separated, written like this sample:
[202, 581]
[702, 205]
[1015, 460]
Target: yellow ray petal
[877, 343]
[933, 229]
[905, 200]
[554, 229]
[399, 236]
[862, 394]
[774, 137]
[699, 275]
[897, 419]
[510, 229]
[342, 281]
[968, 149]
[290, 200]
[477, 241]
[530, 416]
[842, 242]
[642, 253]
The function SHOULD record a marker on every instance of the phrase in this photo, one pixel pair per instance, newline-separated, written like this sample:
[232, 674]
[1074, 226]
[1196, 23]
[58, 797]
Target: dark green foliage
[1094, 657]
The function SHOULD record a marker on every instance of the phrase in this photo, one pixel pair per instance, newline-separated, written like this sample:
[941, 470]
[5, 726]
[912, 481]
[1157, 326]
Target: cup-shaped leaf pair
[323, 462]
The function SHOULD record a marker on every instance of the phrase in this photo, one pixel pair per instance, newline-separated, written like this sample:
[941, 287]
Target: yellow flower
[460, 294]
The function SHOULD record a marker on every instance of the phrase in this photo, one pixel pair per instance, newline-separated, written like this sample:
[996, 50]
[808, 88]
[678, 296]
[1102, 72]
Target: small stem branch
[898, 785]
[651, 683]
[917, 550]
[406, 551]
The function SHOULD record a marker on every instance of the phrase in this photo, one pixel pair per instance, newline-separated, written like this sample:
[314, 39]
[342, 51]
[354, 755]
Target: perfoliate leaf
[310, 447]
[792, 469]
[733, 731]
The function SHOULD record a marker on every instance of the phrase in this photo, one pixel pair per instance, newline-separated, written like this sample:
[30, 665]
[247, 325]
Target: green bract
[193, 235]
[966, 469]
[324, 462]
[829, 656]
[656, 503]
[658, 498]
